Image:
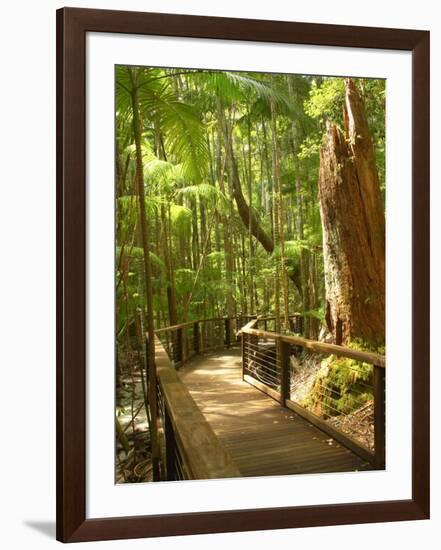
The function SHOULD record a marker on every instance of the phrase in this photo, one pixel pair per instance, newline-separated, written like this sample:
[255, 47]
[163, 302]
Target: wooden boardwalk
[262, 437]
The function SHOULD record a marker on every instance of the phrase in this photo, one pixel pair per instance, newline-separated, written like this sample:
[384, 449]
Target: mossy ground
[342, 385]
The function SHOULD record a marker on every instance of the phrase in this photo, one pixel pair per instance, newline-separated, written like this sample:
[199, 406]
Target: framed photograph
[242, 276]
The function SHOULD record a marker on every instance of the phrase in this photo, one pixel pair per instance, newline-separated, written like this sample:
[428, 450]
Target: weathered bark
[353, 229]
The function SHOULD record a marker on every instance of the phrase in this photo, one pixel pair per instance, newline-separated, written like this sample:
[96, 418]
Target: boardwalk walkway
[262, 437]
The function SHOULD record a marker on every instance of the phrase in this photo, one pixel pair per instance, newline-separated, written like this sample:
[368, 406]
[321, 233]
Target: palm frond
[180, 217]
[207, 192]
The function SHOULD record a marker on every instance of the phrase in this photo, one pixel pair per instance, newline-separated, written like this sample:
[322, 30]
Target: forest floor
[359, 425]
[136, 466]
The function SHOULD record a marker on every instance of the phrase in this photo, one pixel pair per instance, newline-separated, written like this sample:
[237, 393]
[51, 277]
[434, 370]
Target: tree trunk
[280, 221]
[147, 278]
[171, 294]
[353, 229]
[227, 235]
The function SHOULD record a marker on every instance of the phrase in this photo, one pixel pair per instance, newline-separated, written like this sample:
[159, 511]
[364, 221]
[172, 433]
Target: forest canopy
[230, 166]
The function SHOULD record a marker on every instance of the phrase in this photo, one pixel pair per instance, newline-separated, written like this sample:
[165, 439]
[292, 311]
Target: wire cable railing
[342, 392]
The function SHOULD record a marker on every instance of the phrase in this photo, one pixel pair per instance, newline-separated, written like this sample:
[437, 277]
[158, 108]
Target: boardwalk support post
[379, 417]
[227, 332]
[196, 340]
[284, 352]
[244, 354]
[179, 356]
[170, 447]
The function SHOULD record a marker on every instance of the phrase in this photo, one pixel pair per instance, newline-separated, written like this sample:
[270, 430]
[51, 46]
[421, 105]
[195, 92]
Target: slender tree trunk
[268, 203]
[227, 236]
[280, 217]
[137, 129]
[195, 235]
[171, 295]
[353, 229]
[247, 164]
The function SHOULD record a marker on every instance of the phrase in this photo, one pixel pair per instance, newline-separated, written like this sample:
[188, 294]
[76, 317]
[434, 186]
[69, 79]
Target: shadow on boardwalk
[262, 437]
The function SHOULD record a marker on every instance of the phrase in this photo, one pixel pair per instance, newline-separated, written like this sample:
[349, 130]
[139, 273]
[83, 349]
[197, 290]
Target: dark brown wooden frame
[72, 26]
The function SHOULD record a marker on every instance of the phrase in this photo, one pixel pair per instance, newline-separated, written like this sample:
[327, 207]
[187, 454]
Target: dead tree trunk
[353, 229]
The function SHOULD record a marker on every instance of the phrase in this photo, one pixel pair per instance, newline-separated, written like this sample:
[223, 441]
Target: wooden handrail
[314, 345]
[272, 317]
[319, 347]
[202, 454]
[172, 328]
[248, 326]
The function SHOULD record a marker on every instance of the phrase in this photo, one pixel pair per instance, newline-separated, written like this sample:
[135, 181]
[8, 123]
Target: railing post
[170, 447]
[379, 416]
[244, 354]
[179, 345]
[284, 352]
[196, 341]
[227, 332]
[152, 396]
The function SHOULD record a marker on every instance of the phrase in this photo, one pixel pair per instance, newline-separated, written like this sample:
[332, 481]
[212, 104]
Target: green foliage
[216, 257]
[315, 313]
[181, 217]
[162, 108]
[233, 87]
[310, 148]
[194, 225]
[208, 193]
[184, 280]
[326, 99]
[294, 248]
[163, 175]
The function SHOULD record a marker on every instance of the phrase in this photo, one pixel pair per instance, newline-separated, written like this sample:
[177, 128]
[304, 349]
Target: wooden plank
[347, 441]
